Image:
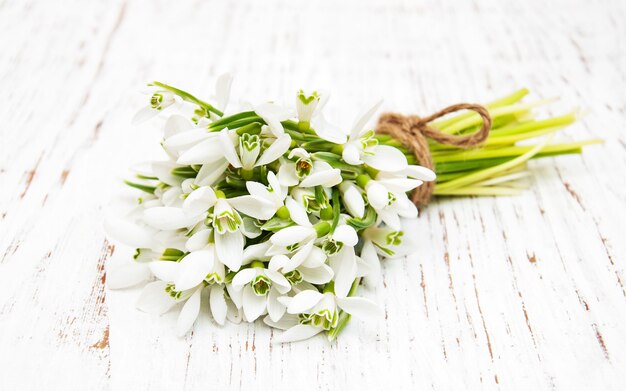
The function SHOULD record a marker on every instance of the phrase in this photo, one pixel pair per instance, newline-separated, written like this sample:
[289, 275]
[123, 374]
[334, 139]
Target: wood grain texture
[510, 293]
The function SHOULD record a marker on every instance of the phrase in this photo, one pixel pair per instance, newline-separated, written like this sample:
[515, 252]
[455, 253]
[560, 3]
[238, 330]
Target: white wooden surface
[510, 293]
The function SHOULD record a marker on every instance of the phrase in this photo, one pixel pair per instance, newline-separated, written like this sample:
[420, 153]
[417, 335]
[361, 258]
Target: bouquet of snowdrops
[277, 214]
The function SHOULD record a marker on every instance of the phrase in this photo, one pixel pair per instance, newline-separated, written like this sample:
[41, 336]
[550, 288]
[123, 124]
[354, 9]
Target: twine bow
[413, 131]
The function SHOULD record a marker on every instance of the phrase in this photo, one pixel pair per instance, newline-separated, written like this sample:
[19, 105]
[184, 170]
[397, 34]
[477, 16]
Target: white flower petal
[298, 258]
[278, 261]
[185, 140]
[171, 196]
[229, 247]
[228, 148]
[326, 178]
[200, 200]
[129, 233]
[297, 213]
[360, 307]
[167, 217]
[400, 185]
[363, 118]
[144, 114]
[315, 258]
[222, 90]
[279, 192]
[386, 158]
[370, 257]
[126, 275]
[327, 130]
[198, 240]
[253, 206]
[249, 228]
[154, 299]
[298, 333]
[276, 250]
[299, 152]
[274, 151]
[189, 313]
[405, 207]
[352, 199]
[419, 172]
[176, 124]
[287, 174]
[210, 173]
[258, 189]
[255, 252]
[291, 235]
[286, 321]
[163, 171]
[304, 301]
[282, 284]
[377, 195]
[344, 267]
[218, 304]
[244, 276]
[204, 152]
[164, 270]
[273, 114]
[194, 267]
[233, 313]
[351, 154]
[275, 309]
[346, 235]
[390, 217]
[253, 305]
[318, 275]
[236, 296]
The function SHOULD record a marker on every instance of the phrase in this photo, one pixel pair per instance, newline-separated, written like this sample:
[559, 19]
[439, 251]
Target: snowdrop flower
[261, 289]
[319, 311]
[343, 235]
[306, 104]
[263, 201]
[159, 297]
[388, 241]
[291, 172]
[362, 147]
[159, 100]
[229, 239]
[306, 198]
[312, 269]
[297, 238]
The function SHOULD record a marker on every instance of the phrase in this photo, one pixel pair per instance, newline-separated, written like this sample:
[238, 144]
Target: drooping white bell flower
[312, 269]
[296, 238]
[263, 201]
[159, 100]
[362, 147]
[261, 288]
[319, 311]
[389, 242]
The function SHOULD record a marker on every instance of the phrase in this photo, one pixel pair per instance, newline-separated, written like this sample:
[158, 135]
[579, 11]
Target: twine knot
[413, 131]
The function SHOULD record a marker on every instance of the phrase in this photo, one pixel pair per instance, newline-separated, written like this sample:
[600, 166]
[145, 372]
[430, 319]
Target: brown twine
[413, 132]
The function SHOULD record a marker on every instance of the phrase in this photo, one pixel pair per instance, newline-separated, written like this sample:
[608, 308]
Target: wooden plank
[513, 293]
